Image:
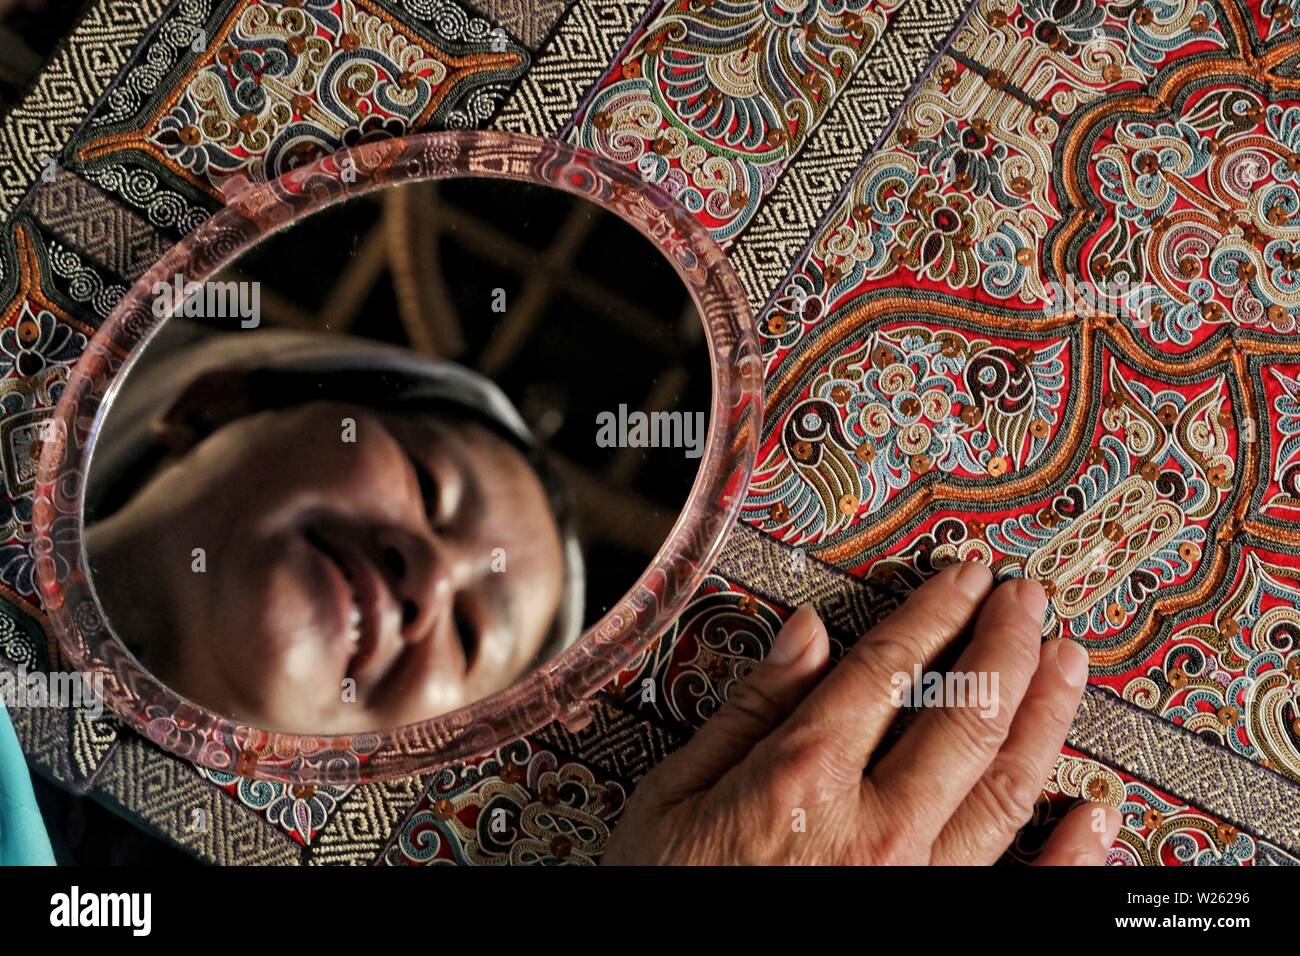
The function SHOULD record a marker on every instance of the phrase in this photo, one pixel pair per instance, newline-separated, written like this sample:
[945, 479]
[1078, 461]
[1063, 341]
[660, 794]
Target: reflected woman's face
[343, 585]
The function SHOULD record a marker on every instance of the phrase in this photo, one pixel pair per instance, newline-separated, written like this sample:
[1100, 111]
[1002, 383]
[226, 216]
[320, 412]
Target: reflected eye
[466, 631]
[428, 488]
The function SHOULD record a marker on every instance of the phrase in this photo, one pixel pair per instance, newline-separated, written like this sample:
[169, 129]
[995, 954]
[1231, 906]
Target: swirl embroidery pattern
[1051, 325]
[279, 85]
[714, 97]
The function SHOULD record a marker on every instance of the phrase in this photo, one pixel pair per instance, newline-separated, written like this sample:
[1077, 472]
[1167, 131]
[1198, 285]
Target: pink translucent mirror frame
[559, 689]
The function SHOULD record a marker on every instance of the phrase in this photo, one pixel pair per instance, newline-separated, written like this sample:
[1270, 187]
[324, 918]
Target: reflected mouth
[354, 622]
[467, 634]
[362, 617]
[373, 625]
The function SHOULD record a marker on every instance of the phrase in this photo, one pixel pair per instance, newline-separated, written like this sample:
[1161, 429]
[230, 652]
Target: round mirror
[398, 457]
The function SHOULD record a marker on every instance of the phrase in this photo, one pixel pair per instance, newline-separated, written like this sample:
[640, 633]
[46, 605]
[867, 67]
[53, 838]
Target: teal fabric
[23, 841]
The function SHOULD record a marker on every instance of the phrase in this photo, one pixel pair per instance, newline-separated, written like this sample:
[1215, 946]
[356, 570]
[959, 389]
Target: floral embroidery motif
[1199, 210]
[521, 806]
[1157, 830]
[1102, 198]
[712, 99]
[283, 83]
[903, 403]
[1230, 675]
[39, 342]
[298, 810]
[1284, 496]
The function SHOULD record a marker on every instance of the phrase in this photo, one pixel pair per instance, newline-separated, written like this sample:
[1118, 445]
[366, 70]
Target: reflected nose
[421, 578]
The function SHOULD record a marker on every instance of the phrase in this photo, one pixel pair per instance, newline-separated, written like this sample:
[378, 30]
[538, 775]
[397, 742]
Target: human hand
[778, 775]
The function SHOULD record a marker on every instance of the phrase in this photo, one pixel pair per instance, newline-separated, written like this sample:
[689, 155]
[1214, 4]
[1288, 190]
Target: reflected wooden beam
[664, 395]
[539, 282]
[18, 61]
[614, 515]
[355, 283]
[276, 309]
[485, 240]
[413, 228]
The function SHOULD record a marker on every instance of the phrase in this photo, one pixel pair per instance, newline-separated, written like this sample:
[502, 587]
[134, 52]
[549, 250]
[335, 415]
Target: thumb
[758, 704]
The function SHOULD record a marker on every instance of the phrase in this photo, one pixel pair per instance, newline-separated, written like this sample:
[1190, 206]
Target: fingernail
[1032, 598]
[1110, 827]
[973, 578]
[794, 638]
[1072, 662]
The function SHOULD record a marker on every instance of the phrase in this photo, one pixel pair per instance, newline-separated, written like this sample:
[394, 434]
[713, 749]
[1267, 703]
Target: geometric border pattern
[860, 118]
[576, 57]
[37, 128]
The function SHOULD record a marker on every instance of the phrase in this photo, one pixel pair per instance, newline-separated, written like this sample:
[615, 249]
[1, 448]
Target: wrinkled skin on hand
[777, 775]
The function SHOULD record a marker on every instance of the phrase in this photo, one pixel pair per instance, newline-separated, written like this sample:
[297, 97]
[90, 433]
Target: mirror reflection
[397, 455]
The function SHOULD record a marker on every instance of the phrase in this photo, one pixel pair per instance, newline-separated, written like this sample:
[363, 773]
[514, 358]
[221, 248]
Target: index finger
[847, 715]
